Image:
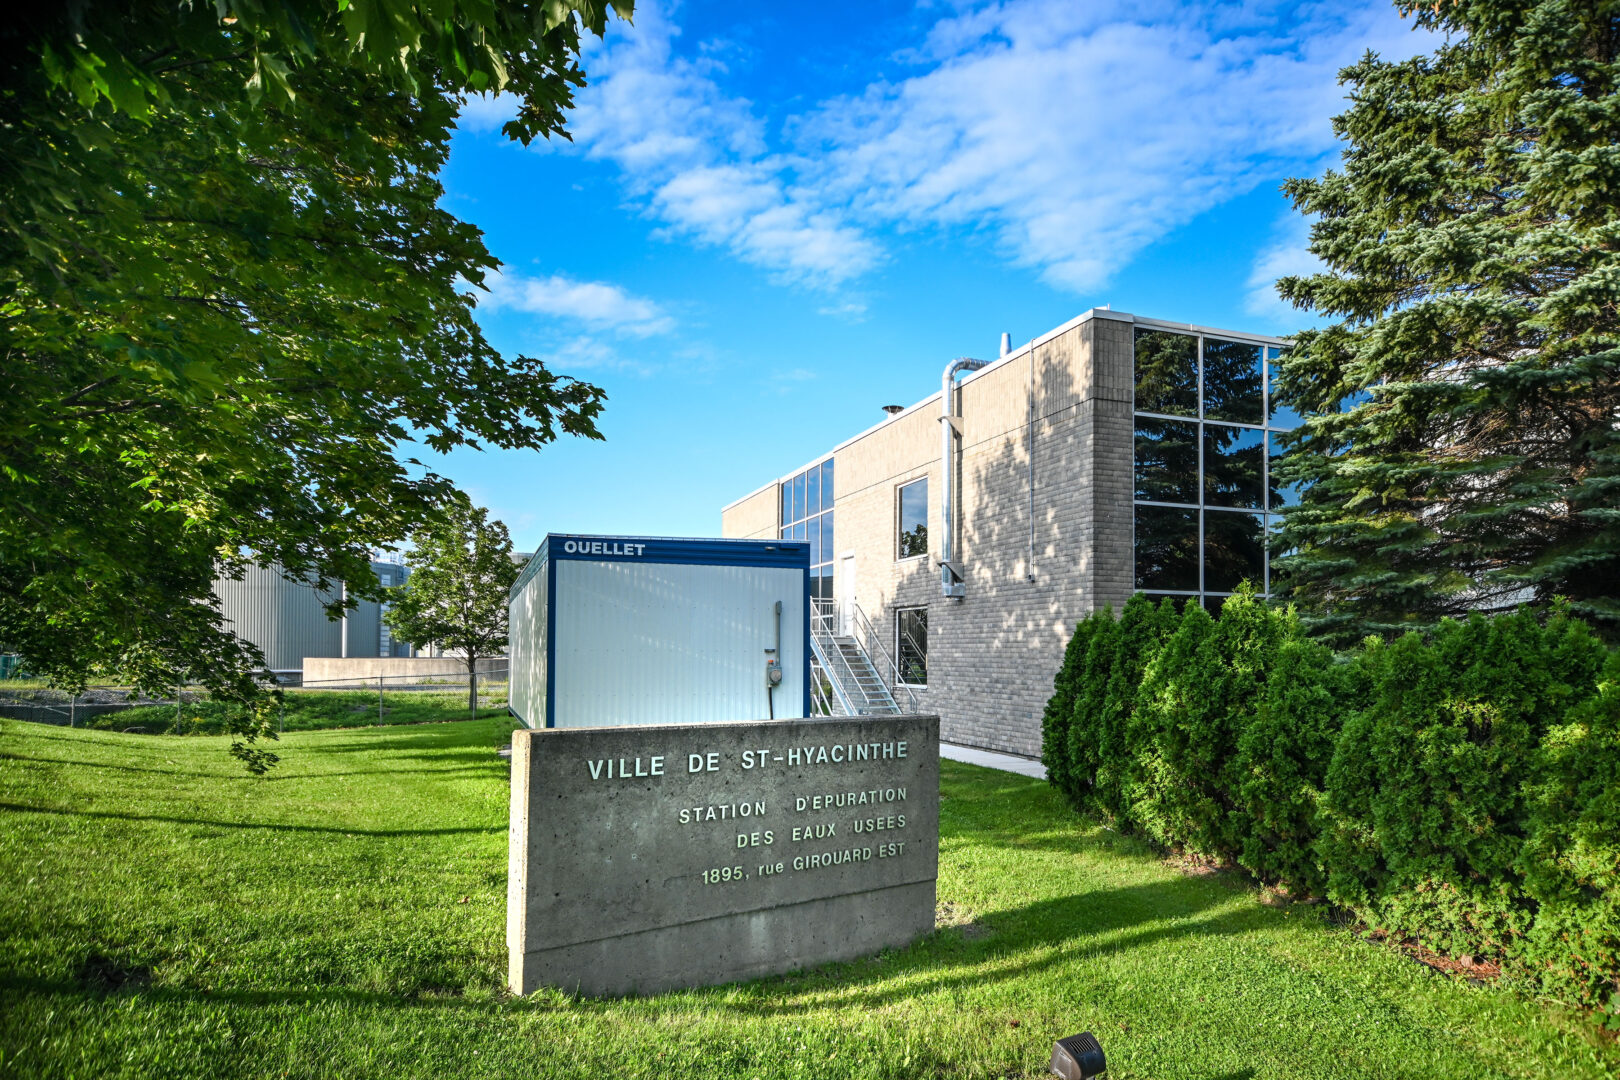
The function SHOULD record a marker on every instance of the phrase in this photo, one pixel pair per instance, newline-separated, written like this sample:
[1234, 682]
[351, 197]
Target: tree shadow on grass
[4, 755]
[277, 826]
[487, 764]
[1092, 925]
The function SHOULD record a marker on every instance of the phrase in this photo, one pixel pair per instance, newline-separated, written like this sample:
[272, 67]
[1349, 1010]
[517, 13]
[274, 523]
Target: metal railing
[871, 644]
[835, 673]
[825, 627]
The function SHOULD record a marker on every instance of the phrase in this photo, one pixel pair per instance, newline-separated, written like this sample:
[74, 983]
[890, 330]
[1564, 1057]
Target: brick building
[1112, 454]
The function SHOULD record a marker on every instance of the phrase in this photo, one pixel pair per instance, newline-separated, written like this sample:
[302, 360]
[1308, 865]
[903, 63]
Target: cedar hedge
[1460, 788]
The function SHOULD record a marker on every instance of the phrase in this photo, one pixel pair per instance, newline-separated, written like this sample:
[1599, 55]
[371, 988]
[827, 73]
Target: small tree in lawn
[455, 598]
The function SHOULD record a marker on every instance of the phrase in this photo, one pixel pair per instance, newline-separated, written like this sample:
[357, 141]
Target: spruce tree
[1462, 450]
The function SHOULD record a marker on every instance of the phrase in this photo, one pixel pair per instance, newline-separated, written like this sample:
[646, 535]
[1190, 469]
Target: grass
[166, 915]
[314, 710]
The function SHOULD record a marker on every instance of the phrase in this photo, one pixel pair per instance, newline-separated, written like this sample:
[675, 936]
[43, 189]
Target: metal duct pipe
[950, 575]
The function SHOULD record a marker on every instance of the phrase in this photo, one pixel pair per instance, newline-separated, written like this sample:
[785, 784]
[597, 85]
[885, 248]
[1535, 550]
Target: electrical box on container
[622, 630]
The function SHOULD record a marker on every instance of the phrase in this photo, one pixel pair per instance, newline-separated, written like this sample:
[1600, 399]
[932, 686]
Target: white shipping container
[610, 630]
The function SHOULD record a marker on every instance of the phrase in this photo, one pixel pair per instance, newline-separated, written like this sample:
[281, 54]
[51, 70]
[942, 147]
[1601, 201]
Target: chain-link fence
[350, 701]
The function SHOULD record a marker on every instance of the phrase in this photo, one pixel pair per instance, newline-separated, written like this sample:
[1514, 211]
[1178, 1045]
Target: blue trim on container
[788, 554]
[551, 641]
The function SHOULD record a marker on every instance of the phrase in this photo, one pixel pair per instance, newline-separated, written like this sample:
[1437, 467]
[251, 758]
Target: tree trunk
[472, 685]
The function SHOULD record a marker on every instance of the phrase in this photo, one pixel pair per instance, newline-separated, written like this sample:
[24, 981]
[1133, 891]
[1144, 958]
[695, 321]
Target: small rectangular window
[827, 536]
[911, 645]
[787, 503]
[914, 519]
[813, 491]
[827, 484]
[798, 497]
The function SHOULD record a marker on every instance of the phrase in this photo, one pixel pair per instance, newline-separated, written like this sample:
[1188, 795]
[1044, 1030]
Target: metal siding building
[287, 619]
[956, 543]
[608, 631]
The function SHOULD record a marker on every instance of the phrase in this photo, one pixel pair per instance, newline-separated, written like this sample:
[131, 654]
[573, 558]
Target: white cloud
[1288, 256]
[699, 159]
[597, 304]
[1071, 135]
[1075, 136]
[486, 112]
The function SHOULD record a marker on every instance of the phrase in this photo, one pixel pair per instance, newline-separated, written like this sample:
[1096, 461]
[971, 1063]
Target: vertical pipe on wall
[1029, 564]
[951, 583]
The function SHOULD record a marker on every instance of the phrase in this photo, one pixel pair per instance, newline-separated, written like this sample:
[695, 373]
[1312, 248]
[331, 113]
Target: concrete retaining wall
[362, 671]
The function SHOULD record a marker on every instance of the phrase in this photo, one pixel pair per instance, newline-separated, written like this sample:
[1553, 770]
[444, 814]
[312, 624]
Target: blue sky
[775, 219]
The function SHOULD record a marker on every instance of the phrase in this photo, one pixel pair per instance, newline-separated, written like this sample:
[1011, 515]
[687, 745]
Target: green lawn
[167, 915]
[314, 710]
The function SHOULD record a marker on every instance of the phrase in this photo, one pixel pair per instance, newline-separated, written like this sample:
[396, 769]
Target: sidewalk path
[991, 760]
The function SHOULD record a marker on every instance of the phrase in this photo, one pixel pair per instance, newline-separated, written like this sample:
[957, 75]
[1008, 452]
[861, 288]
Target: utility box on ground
[610, 631]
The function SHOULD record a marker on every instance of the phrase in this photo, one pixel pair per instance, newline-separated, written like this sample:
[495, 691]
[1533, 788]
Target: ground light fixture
[1078, 1057]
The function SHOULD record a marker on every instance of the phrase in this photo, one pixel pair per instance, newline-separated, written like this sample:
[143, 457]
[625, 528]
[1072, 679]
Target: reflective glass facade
[807, 514]
[1205, 497]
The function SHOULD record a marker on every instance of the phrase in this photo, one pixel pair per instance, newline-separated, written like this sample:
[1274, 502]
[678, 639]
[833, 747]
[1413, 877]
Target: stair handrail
[889, 672]
[818, 632]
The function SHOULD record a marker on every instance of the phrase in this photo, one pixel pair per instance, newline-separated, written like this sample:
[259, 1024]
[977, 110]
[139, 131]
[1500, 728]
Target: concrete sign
[650, 858]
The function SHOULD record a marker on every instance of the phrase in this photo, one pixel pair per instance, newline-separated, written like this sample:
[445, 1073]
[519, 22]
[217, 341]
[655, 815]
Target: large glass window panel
[911, 645]
[1166, 373]
[1233, 460]
[1213, 605]
[1276, 578]
[812, 494]
[821, 583]
[1180, 601]
[1166, 460]
[1166, 548]
[1232, 377]
[1234, 550]
[827, 484]
[787, 503]
[827, 548]
[1281, 494]
[814, 536]
[914, 519]
[1282, 416]
[798, 497]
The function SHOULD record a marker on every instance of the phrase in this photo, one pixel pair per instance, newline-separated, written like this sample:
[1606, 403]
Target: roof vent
[894, 409]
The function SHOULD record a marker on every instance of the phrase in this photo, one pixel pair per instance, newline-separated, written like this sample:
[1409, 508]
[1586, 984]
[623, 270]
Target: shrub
[1168, 720]
[1282, 760]
[1085, 751]
[1143, 629]
[1571, 858]
[1060, 709]
[1427, 795]
[1461, 788]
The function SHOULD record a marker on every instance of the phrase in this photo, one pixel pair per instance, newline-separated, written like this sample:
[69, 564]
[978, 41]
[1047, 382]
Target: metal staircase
[845, 680]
